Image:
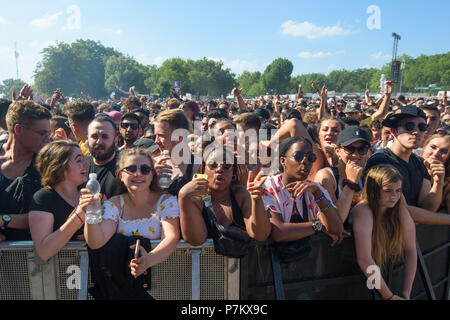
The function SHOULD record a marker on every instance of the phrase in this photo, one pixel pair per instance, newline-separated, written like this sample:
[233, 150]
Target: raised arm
[299, 92]
[193, 227]
[237, 93]
[256, 217]
[384, 106]
[323, 111]
[48, 242]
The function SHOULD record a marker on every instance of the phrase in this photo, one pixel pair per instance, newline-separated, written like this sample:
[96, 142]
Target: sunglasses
[411, 126]
[362, 150]
[215, 165]
[145, 169]
[300, 156]
[125, 125]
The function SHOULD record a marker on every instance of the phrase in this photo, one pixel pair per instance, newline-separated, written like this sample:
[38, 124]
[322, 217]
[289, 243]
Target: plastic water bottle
[383, 84]
[94, 210]
[165, 179]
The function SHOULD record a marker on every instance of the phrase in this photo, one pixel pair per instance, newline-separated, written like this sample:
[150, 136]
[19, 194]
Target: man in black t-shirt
[422, 192]
[102, 141]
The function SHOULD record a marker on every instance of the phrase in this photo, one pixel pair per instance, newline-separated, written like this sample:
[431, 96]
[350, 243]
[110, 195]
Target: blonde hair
[24, 113]
[53, 160]
[176, 119]
[388, 233]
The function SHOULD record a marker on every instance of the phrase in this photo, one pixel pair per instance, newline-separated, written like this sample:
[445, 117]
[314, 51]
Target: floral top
[149, 228]
[279, 200]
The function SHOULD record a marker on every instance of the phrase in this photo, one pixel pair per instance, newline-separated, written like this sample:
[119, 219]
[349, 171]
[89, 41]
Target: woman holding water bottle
[140, 209]
[57, 214]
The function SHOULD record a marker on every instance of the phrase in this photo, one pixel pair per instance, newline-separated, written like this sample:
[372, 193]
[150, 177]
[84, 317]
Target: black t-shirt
[15, 198]
[413, 172]
[106, 175]
[48, 200]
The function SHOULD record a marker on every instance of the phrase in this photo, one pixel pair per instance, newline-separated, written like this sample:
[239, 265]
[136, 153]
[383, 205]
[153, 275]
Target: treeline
[86, 67]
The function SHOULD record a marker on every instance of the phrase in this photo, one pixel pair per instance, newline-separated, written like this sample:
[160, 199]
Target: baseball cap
[402, 112]
[352, 134]
[115, 115]
[352, 106]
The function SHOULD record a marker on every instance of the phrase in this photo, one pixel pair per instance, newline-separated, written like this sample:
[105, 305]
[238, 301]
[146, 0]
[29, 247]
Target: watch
[6, 220]
[317, 226]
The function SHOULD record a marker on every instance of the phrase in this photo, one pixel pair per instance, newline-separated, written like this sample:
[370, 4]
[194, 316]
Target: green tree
[8, 85]
[278, 75]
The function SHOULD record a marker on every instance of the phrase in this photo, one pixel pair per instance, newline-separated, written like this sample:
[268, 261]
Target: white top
[150, 227]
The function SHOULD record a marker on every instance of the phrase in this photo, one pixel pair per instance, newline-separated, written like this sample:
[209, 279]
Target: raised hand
[437, 170]
[255, 183]
[314, 86]
[236, 91]
[353, 171]
[389, 87]
[26, 93]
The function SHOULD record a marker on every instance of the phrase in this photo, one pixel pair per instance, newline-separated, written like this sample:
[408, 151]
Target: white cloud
[238, 66]
[332, 67]
[7, 52]
[159, 60]
[311, 31]
[2, 20]
[380, 56]
[116, 32]
[47, 21]
[320, 54]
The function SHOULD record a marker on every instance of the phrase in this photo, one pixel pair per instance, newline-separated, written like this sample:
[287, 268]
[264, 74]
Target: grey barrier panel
[23, 276]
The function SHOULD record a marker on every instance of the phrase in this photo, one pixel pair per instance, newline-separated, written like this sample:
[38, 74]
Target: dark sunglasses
[145, 169]
[362, 150]
[215, 165]
[134, 126]
[410, 126]
[299, 156]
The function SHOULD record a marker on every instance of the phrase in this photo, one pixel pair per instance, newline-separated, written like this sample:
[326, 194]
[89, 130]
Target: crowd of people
[370, 168]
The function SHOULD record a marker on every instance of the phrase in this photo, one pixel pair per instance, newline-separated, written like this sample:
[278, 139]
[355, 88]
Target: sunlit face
[35, 135]
[219, 170]
[163, 135]
[410, 139]
[291, 167]
[328, 133]
[142, 176]
[433, 121]
[436, 149]
[101, 140]
[356, 153]
[76, 172]
[390, 194]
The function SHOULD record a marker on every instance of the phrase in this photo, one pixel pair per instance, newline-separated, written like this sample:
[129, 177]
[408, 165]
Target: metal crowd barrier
[198, 273]
[190, 273]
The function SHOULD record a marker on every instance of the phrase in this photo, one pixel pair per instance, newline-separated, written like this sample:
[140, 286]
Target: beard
[102, 155]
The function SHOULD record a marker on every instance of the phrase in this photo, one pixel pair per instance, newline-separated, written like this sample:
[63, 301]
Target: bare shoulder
[362, 211]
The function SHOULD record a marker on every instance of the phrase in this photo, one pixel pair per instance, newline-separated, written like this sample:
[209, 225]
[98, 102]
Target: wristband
[321, 198]
[353, 186]
[329, 205]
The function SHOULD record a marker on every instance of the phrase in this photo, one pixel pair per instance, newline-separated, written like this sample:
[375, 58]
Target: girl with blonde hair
[384, 230]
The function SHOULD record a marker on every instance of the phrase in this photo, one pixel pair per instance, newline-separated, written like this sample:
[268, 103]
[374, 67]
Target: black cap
[262, 113]
[352, 134]
[402, 112]
[146, 143]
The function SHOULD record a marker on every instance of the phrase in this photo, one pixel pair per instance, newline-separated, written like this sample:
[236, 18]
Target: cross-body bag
[293, 250]
[229, 241]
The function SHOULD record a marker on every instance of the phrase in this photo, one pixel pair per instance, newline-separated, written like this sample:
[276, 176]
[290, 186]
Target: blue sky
[317, 36]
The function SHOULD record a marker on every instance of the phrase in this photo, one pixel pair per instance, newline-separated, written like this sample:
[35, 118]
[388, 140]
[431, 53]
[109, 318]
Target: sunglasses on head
[362, 150]
[215, 165]
[299, 156]
[134, 126]
[145, 169]
[410, 126]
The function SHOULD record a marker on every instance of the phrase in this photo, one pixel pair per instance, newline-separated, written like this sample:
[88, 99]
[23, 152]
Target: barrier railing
[198, 273]
[190, 273]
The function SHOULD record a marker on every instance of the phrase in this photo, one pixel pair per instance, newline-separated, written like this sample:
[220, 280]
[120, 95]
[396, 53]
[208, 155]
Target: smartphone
[198, 176]
[136, 251]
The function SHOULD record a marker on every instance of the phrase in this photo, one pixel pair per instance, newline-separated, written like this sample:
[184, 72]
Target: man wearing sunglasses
[130, 127]
[423, 193]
